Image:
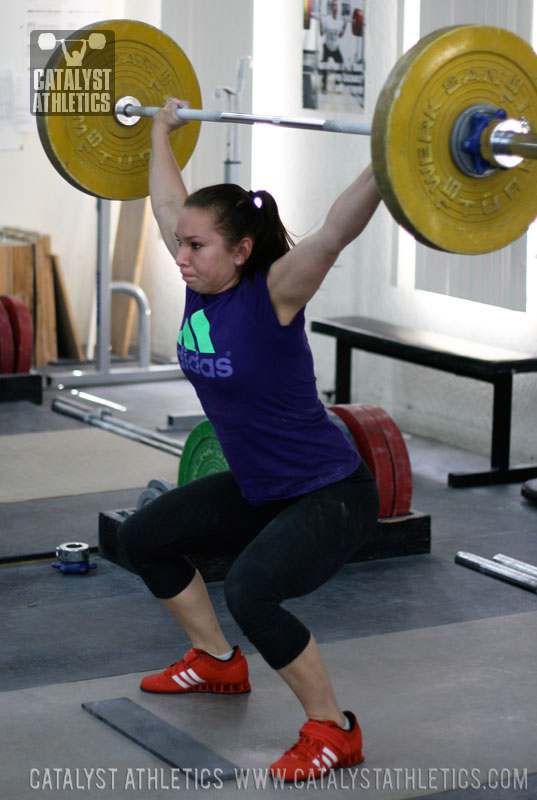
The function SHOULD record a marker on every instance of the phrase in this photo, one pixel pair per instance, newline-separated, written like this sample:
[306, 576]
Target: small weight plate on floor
[402, 470]
[155, 488]
[7, 347]
[147, 496]
[371, 445]
[202, 454]
[161, 484]
[23, 332]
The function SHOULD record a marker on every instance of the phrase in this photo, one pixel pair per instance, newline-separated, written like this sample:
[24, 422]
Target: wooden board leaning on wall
[29, 269]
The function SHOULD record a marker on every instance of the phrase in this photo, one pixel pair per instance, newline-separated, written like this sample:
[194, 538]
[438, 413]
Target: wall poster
[333, 66]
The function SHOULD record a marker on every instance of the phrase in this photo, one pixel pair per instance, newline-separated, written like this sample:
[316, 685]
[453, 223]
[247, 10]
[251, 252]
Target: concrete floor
[437, 661]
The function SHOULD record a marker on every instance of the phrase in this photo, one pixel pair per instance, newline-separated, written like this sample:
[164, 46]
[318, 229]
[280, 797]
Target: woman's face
[207, 264]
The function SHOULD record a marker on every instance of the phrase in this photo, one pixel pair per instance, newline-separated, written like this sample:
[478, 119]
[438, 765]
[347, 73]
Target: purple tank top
[256, 383]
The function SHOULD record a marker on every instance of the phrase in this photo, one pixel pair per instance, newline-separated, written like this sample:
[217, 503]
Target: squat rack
[103, 372]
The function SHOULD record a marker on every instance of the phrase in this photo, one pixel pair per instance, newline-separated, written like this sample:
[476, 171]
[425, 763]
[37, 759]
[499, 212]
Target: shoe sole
[207, 688]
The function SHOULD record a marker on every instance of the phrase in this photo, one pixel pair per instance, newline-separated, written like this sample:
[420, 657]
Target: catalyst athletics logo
[71, 72]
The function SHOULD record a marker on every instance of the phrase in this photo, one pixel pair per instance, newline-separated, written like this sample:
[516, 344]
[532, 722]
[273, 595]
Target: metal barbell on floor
[451, 138]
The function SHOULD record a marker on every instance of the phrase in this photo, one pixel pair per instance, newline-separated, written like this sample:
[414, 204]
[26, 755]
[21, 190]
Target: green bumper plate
[202, 454]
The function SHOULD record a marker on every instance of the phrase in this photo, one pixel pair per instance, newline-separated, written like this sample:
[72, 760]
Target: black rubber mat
[35, 527]
[26, 417]
[59, 628]
[111, 625]
[139, 399]
[171, 745]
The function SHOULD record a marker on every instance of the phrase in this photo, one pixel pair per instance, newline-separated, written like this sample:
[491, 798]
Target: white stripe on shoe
[186, 679]
[329, 758]
[330, 754]
[178, 680]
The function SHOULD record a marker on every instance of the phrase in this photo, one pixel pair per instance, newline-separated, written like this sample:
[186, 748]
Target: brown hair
[238, 214]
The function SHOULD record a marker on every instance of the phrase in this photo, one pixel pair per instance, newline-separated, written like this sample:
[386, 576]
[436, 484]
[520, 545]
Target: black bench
[469, 359]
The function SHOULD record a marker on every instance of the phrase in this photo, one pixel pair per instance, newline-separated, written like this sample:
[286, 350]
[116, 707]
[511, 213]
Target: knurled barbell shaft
[332, 125]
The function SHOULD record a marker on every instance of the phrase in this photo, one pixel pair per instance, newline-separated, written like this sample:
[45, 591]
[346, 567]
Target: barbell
[451, 137]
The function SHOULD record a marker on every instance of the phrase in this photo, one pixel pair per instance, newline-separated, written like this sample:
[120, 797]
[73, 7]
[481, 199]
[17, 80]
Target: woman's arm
[166, 187]
[295, 277]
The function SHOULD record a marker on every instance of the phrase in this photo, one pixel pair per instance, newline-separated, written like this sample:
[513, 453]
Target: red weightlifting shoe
[200, 672]
[322, 746]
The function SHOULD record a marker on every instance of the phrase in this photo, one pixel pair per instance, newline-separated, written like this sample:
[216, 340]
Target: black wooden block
[171, 745]
[394, 536]
[21, 386]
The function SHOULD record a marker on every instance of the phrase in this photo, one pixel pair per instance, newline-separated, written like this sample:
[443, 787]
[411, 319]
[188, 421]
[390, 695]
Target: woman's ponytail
[239, 213]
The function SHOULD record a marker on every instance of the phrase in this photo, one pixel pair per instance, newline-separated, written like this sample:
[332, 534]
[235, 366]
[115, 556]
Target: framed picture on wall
[333, 66]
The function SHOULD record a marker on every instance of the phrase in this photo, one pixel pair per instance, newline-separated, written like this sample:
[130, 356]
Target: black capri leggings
[285, 548]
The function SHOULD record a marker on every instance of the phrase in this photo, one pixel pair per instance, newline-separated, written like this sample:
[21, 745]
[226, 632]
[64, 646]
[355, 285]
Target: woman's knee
[247, 595]
[276, 633]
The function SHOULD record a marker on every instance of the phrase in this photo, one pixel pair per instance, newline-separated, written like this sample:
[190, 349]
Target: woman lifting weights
[297, 495]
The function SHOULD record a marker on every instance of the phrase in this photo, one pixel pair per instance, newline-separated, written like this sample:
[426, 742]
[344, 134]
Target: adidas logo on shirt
[195, 348]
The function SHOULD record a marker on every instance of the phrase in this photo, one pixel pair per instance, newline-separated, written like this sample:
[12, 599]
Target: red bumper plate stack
[380, 443]
[17, 343]
[7, 350]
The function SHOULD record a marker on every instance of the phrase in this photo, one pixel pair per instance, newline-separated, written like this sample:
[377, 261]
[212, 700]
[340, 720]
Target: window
[497, 278]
